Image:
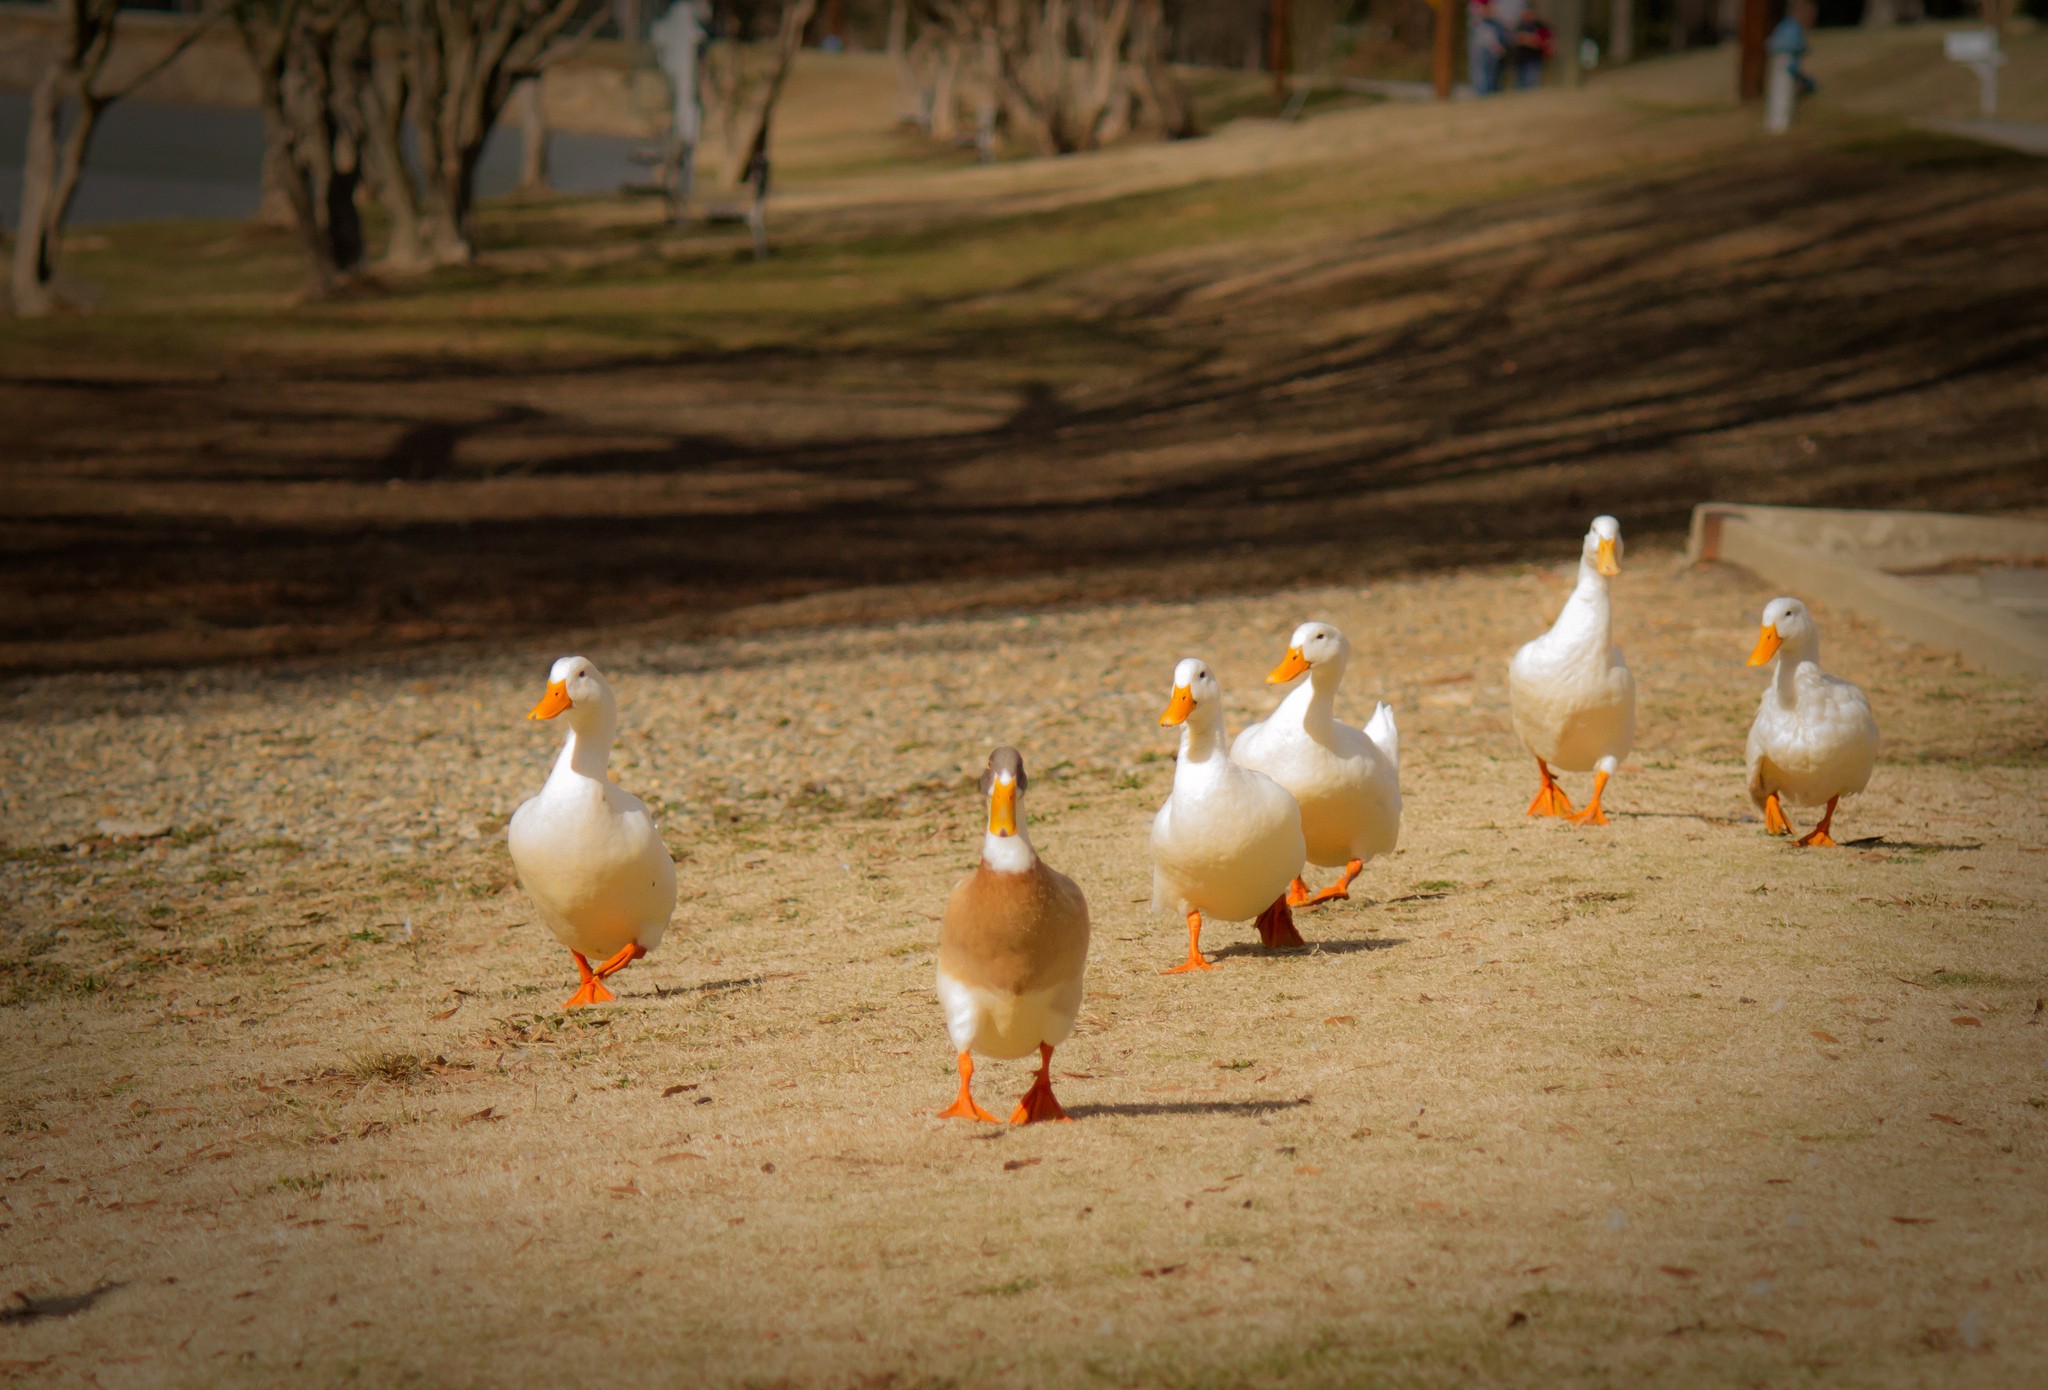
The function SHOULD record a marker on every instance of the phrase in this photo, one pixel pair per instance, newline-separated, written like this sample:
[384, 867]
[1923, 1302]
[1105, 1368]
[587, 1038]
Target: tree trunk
[382, 99]
[533, 135]
[749, 135]
[1621, 31]
[35, 239]
[1569, 16]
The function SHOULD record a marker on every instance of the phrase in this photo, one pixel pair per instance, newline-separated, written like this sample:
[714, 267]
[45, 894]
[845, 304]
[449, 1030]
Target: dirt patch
[1666, 1101]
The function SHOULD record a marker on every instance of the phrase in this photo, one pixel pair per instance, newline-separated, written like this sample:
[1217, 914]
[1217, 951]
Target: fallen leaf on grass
[483, 1114]
[1013, 1164]
[1914, 1220]
[448, 1012]
[1769, 1334]
[1678, 1271]
[1826, 1036]
[27, 1173]
[1517, 1318]
[1945, 1119]
[1308, 1170]
[1430, 1206]
[373, 1127]
[678, 1090]
[1163, 1269]
[1965, 1021]
[629, 1188]
[678, 1154]
[1336, 1019]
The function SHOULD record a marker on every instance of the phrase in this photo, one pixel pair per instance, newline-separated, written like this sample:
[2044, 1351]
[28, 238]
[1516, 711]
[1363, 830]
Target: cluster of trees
[341, 82]
[1052, 75]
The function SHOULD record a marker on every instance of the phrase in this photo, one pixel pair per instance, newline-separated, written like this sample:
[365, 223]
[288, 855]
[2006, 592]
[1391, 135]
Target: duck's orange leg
[1774, 817]
[1340, 889]
[963, 1106]
[1819, 834]
[1550, 798]
[1591, 815]
[1038, 1103]
[1297, 891]
[1276, 927]
[1194, 960]
[592, 990]
[626, 956]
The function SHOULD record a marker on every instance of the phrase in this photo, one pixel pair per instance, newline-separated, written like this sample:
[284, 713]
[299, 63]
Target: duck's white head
[573, 684]
[1786, 624]
[1313, 645]
[1005, 846]
[1193, 687]
[1602, 549]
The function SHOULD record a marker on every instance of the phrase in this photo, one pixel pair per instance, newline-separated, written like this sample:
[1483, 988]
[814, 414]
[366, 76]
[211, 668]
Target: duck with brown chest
[1012, 950]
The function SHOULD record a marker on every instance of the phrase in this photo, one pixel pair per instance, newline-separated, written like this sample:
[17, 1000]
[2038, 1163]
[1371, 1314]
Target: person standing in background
[1486, 43]
[1531, 50]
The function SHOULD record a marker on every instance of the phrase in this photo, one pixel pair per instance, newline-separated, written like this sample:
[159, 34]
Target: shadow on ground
[1839, 328]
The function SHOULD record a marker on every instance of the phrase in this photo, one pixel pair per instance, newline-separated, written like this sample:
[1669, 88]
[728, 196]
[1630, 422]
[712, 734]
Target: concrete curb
[1861, 560]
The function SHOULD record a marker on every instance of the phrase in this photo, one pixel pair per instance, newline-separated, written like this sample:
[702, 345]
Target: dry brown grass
[287, 1096]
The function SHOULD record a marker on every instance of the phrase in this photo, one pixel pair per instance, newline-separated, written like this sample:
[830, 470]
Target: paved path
[2028, 137]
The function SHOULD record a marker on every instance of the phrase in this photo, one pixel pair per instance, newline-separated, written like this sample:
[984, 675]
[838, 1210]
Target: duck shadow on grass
[1188, 1107]
[23, 1308]
[1337, 947]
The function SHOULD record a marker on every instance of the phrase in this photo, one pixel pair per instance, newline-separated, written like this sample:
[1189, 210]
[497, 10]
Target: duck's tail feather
[1380, 729]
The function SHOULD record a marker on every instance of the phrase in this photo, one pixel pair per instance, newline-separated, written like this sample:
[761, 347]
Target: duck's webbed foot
[1592, 815]
[1550, 798]
[592, 990]
[1039, 1103]
[1819, 834]
[1276, 927]
[963, 1106]
[1338, 890]
[1194, 960]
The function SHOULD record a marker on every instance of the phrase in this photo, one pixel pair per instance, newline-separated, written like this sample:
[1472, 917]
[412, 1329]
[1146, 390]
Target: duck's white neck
[1201, 735]
[1009, 854]
[1323, 679]
[587, 751]
[1791, 656]
[1588, 610]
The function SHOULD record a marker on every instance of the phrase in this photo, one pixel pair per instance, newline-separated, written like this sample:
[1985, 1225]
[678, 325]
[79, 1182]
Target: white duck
[589, 852]
[1228, 840]
[1571, 694]
[1347, 781]
[1814, 739]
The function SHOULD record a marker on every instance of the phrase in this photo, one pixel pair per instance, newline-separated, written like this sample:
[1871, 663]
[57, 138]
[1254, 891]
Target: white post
[1778, 96]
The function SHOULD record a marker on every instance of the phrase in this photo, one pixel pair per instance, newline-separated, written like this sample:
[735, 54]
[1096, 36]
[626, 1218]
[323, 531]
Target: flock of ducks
[1231, 842]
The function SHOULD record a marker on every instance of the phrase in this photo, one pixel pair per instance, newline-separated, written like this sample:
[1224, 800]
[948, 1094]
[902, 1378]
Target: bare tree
[312, 60]
[54, 159]
[1060, 75]
[744, 72]
[463, 59]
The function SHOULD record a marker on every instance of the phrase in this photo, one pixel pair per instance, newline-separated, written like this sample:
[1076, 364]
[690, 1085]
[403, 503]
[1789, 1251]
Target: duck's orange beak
[1002, 809]
[553, 703]
[1291, 665]
[1604, 560]
[1179, 707]
[1767, 643]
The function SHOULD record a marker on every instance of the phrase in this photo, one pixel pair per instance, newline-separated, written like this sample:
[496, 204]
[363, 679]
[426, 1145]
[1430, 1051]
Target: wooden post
[1443, 64]
[1279, 48]
[1749, 72]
